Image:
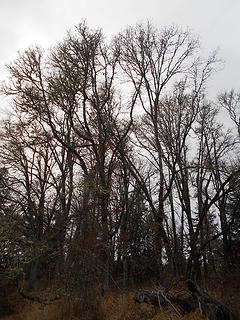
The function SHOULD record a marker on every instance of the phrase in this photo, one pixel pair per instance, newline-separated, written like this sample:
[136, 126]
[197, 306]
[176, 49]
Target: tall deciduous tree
[156, 60]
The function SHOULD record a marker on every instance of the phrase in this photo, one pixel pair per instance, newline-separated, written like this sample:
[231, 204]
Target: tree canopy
[115, 166]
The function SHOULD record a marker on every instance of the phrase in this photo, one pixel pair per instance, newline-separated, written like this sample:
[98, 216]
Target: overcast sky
[44, 22]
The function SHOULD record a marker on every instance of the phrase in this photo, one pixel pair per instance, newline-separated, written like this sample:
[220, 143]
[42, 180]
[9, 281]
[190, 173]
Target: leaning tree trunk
[187, 301]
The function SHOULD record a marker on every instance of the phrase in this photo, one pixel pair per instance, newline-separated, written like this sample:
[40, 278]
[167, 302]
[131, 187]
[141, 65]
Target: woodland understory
[117, 172]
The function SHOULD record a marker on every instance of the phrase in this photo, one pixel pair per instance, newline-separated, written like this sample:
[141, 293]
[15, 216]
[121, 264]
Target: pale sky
[44, 22]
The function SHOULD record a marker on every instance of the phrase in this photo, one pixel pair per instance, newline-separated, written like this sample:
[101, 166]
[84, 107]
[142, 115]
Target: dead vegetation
[186, 301]
[121, 305]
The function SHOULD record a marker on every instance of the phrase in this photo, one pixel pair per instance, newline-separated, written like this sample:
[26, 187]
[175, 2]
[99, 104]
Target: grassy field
[114, 305]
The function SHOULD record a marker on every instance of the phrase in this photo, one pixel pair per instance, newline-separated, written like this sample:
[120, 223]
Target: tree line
[115, 165]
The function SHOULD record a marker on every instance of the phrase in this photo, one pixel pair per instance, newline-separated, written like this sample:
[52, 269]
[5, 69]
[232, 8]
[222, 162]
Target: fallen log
[187, 301]
[47, 299]
[181, 304]
[210, 307]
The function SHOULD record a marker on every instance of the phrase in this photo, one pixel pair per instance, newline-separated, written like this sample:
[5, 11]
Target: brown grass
[115, 305]
[93, 306]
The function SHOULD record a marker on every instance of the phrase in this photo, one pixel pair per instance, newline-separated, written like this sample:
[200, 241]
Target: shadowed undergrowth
[114, 305]
[92, 306]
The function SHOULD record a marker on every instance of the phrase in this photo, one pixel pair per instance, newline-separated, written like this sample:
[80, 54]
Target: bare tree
[231, 102]
[72, 96]
[155, 60]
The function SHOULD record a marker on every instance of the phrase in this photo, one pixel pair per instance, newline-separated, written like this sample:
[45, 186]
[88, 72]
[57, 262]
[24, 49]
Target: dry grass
[93, 306]
[115, 305]
[120, 306]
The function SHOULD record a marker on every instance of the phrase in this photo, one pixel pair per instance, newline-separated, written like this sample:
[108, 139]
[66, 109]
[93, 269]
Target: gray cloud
[27, 22]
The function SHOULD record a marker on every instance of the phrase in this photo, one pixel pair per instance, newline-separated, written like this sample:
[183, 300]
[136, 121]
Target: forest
[116, 168]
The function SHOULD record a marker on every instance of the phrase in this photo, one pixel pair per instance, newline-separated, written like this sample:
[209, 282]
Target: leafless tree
[156, 60]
